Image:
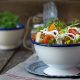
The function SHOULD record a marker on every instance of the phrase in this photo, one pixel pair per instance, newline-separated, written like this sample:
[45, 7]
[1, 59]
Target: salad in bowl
[58, 46]
[56, 32]
[11, 31]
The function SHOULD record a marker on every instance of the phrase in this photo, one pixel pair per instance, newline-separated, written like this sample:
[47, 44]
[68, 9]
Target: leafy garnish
[79, 39]
[74, 23]
[8, 20]
[71, 42]
[52, 41]
[40, 28]
[65, 30]
[59, 23]
[48, 23]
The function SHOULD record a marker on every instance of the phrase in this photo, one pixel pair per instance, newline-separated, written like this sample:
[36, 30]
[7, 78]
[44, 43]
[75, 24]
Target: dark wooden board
[5, 56]
[19, 56]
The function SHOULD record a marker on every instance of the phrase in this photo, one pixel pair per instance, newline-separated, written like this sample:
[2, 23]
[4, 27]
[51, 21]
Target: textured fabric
[18, 72]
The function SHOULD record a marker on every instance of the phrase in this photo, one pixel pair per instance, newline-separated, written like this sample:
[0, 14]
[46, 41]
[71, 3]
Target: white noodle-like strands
[73, 36]
[54, 32]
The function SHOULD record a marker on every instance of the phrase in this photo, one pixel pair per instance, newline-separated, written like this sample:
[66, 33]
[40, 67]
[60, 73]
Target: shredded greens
[79, 39]
[57, 32]
[40, 28]
[48, 23]
[57, 22]
[52, 41]
[61, 24]
[74, 23]
[8, 20]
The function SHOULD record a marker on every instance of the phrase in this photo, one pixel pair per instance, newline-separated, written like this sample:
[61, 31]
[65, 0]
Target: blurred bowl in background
[11, 38]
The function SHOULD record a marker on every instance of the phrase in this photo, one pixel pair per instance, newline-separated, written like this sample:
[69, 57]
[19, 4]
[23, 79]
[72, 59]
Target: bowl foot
[61, 72]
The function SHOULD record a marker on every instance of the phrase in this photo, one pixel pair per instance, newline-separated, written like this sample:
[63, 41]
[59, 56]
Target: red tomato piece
[73, 31]
[47, 38]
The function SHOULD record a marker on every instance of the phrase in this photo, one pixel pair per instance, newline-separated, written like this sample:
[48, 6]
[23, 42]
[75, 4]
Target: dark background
[67, 9]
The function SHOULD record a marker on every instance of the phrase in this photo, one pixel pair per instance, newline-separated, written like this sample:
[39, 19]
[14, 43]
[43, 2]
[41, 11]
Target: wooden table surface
[9, 59]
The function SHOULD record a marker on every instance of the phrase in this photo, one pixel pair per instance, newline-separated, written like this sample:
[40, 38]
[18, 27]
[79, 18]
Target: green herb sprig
[74, 23]
[40, 28]
[57, 22]
[48, 23]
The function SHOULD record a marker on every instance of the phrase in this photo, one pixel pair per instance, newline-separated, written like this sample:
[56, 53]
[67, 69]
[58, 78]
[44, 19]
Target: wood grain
[20, 56]
[4, 58]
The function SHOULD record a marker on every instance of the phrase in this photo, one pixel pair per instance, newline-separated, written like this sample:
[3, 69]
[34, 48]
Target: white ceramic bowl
[60, 57]
[10, 38]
